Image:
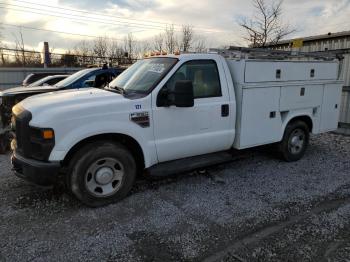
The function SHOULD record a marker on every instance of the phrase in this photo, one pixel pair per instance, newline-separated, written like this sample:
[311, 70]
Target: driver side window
[204, 76]
[90, 81]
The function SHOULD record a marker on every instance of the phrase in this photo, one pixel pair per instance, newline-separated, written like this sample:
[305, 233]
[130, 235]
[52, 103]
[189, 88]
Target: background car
[48, 81]
[86, 78]
[31, 78]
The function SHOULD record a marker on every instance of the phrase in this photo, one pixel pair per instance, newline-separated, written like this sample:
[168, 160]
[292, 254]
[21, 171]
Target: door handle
[225, 110]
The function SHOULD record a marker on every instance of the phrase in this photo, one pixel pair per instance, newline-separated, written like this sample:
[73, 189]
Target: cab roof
[188, 56]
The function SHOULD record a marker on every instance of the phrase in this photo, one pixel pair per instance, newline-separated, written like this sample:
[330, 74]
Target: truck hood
[27, 90]
[69, 102]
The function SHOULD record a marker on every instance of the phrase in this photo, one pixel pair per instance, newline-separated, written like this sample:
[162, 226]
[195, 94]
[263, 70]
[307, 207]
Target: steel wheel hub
[104, 177]
[296, 141]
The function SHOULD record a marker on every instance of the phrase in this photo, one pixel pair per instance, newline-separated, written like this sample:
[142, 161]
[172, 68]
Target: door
[330, 107]
[204, 128]
[261, 121]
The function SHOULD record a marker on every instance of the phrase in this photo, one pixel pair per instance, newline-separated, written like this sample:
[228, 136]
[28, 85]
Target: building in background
[338, 43]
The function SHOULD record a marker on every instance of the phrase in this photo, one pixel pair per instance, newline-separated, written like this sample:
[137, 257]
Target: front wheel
[295, 141]
[102, 173]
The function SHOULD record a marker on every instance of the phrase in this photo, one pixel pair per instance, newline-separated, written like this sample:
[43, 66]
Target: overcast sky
[214, 20]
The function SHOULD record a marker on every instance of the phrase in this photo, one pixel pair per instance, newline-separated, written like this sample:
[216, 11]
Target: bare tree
[130, 45]
[20, 56]
[170, 39]
[200, 45]
[83, 49]
[144, 47]
[33, 58]
[100, 47]
[115, 52]
[158, 43]
[266, 25]
[186, 38]
[2, 55]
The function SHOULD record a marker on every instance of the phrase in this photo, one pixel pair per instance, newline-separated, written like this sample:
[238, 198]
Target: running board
[189, 164]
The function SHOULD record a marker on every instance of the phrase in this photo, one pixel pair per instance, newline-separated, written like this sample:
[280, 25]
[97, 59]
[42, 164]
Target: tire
[295, 141]
[101, 173]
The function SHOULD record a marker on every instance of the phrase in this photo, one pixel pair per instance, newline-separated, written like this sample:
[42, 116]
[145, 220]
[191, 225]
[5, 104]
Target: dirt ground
[258, 208]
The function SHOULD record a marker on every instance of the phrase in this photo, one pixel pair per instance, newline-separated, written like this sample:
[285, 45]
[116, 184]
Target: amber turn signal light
[48, 134]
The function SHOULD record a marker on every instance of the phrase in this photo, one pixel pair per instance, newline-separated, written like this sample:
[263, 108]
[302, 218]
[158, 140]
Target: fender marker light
[48, 134]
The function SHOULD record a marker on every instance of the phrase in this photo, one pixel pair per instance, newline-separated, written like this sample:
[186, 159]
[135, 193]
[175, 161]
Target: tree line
[264, 27]
[168, 41]
[107, 50]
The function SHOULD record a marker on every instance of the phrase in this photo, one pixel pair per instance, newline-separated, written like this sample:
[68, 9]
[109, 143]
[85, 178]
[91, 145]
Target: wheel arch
[304, 118]
[128, 141]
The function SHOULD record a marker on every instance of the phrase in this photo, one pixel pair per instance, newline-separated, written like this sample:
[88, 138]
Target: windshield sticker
[156, 68]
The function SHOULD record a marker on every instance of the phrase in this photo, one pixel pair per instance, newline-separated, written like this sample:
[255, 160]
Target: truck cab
[169, 114]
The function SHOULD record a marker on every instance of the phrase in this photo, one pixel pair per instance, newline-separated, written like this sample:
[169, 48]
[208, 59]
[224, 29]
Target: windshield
[71, 79]
[40, 81]
[49, 80]
[143, 75]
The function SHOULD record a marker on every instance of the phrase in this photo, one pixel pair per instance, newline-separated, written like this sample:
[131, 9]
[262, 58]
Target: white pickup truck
[169, 114]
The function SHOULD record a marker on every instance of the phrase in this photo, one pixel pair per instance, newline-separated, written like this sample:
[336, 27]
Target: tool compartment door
[280, 71]
[261, 121]
[301, 96]
[331, 107]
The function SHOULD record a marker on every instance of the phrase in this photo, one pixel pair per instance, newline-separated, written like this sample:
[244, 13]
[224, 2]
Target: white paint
[176, 133]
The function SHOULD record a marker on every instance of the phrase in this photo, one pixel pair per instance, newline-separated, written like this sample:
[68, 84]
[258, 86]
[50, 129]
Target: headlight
[42, 134]
[42, 142]
[13, 123]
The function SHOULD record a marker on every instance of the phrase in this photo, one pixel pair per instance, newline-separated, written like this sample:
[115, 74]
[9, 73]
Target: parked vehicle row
[33, 77]
[48, 80]
[170, 114]
[93, 77]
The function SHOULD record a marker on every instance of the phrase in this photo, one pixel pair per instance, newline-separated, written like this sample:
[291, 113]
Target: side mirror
[182, 95]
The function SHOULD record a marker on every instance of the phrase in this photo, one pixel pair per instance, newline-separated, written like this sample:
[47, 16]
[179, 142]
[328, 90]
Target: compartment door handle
[225, 110]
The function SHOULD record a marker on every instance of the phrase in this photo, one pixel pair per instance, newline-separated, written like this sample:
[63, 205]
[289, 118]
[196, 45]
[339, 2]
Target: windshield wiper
[120, 90]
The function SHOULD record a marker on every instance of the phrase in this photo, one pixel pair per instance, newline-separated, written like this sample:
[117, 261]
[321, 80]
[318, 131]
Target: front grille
[40, 148]
[22, 120]
[29, 142]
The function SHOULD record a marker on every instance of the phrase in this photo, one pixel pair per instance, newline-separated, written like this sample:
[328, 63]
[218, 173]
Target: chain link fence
[26, 58]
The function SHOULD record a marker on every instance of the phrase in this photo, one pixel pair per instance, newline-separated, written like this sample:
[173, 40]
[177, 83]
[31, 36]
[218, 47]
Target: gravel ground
[254, 209]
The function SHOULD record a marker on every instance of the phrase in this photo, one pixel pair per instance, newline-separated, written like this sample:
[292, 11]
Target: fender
[143, 136]
[308, 112]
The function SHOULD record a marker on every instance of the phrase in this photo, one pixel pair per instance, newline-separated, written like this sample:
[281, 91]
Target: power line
[112, 16]
[61, 32]
[94, 13]
[88, 18]
[75, 17]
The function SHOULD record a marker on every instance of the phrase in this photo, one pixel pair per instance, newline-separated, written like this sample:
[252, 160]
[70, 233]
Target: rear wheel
[295, 141]
[102, 173]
